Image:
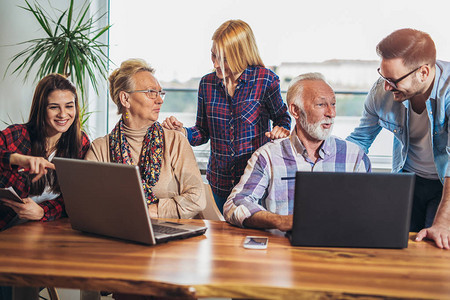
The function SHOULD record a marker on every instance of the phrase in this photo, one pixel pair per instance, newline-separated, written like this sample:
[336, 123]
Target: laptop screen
[370, 210]
[107, 199]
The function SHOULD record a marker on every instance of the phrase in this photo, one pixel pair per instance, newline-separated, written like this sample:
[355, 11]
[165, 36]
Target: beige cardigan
[180, 186]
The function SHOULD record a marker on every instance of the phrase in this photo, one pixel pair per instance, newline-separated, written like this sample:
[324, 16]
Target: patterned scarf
[150, 159]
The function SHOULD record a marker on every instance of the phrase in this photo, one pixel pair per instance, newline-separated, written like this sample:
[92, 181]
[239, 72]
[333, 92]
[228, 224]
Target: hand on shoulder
[278, 133]
[173, 124]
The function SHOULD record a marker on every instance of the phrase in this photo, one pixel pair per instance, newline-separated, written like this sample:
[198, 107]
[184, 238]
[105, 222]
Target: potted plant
[70, 47]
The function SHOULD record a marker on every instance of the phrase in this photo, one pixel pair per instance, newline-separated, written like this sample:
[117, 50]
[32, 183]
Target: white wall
[15, 96]
[18, 25]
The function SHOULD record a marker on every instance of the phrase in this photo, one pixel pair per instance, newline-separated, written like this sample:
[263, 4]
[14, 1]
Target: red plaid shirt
[236, 125]
[16, 139]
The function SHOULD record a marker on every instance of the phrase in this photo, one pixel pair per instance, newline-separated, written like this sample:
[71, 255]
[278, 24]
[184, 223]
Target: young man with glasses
[412, 100]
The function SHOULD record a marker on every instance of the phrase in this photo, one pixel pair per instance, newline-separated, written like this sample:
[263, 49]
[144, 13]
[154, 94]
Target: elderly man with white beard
[264, 197]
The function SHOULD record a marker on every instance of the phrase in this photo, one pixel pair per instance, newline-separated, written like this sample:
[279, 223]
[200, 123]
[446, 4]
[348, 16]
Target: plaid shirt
[16, 139]
[262, 187]
[236, 125]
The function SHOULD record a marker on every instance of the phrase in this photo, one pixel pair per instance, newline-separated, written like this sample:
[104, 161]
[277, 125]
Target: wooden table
[216, 265]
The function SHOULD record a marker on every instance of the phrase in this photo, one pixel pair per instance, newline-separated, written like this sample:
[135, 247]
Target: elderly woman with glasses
[171, 179]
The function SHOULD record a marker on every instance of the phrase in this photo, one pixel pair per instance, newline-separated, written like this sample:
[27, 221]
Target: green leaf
[83, 14]
[40, 17]
[69, 17]
[58, 24]
[101, 32]
[70, 46]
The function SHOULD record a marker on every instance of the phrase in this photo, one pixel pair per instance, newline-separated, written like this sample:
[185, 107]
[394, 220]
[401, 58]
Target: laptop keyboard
[167, 229]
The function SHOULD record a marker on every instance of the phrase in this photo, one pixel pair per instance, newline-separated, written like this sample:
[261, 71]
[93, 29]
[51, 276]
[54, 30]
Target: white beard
[315, 130]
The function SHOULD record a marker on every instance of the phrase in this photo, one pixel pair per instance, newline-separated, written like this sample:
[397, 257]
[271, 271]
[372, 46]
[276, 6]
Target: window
[336, 38]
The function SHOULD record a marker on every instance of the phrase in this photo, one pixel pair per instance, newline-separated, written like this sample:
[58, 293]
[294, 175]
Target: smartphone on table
[256, 242]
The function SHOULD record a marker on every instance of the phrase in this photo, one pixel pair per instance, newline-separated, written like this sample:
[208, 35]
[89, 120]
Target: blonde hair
[121, 78]
[236, 43]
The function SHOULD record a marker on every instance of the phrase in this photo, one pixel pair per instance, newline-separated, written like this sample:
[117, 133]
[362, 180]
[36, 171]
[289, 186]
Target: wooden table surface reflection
[216, 265]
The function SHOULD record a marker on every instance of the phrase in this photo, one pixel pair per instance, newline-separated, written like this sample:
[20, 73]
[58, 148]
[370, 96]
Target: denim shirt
[381, 111]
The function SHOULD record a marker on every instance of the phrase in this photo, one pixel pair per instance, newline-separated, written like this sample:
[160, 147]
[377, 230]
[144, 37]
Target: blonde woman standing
[235, 105]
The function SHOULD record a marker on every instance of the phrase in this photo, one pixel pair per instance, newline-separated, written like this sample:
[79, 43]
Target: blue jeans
[220, 201]
[427, 197]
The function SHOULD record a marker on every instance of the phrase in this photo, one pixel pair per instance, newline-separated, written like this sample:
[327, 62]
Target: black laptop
[361, 210]
[107, 199]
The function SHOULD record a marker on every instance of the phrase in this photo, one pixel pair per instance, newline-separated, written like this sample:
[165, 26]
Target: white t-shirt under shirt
[420, 153]
[47, 194]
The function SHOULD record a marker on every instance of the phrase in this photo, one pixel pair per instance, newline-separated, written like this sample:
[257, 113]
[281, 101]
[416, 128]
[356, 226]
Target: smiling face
[408, 87]
[60, 112]
[142, 110]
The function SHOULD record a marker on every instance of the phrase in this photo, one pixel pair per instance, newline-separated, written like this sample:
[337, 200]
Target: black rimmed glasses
[152, 94]
[393, 83]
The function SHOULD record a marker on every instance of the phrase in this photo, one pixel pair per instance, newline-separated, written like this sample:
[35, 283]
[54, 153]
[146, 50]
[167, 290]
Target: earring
[126, 115]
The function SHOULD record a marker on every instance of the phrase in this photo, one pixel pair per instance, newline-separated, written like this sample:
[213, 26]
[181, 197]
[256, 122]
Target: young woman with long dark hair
[53, 129]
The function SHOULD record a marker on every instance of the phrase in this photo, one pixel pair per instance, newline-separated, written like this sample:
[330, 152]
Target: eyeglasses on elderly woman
[151, 94]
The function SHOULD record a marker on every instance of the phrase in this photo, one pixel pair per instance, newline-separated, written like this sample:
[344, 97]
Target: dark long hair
[69, 144]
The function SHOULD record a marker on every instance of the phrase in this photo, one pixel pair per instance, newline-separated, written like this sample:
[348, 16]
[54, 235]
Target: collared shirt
[236, 125]
[16, 139]
[264, 185]
[381, 111]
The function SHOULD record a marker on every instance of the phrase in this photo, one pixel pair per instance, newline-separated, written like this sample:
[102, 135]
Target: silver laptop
[362, 210]
[107, 199]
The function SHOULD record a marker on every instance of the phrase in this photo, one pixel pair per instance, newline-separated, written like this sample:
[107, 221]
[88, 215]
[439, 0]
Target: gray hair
[121, 79]
[295, 89]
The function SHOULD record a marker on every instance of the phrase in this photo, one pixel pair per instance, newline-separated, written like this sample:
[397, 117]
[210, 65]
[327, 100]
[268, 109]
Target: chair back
[52, 293]
[211, 211]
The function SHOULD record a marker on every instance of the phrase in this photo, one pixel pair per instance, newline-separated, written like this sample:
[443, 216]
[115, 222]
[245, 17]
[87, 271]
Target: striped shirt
[236, 124]
[262, 187]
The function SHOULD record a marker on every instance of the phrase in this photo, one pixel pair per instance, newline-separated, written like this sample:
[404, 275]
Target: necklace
[49, 150]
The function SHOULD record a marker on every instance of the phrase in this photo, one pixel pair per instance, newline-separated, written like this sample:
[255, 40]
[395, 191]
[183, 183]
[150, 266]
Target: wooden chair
[21, 292]
[211, 211]
[52, 293]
